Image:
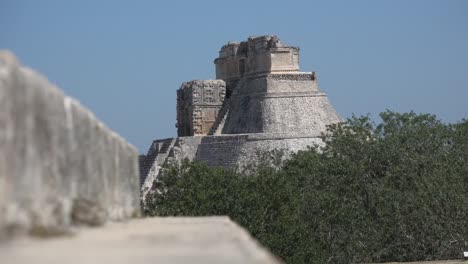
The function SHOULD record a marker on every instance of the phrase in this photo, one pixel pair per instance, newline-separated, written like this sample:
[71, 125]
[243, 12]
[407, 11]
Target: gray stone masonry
[58, 163]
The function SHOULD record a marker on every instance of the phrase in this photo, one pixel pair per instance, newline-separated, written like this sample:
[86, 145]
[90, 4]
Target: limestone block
[54, 152]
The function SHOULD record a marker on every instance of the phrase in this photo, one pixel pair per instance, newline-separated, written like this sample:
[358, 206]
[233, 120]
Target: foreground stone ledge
[147, 240]
[59, 164]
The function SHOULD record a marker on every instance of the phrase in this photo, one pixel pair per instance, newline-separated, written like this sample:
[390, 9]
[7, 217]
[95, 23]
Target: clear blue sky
[126, 59]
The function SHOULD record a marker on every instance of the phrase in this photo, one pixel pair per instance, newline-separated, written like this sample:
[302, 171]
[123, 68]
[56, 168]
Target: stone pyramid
[260, 100]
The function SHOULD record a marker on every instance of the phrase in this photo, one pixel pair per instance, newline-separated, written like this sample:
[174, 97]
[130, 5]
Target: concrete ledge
[149, 240]
[58, 163]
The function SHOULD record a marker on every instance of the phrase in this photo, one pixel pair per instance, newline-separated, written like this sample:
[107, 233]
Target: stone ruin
[260, 100]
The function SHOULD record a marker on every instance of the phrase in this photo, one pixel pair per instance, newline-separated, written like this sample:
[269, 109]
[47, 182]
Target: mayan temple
[260, 100]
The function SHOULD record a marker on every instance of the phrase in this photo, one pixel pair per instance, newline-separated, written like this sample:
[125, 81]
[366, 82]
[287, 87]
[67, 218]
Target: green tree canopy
[393, 191]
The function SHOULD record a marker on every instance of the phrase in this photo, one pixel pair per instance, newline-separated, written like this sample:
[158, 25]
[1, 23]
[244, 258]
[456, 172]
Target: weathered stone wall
[229, 151]
[222, 150]
[279, 103]
[239, 150]
[57, 160]
[198, 104]
[185, 148]
[267, 142]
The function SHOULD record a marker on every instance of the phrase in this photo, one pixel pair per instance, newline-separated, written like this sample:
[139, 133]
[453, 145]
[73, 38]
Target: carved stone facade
[198, 104]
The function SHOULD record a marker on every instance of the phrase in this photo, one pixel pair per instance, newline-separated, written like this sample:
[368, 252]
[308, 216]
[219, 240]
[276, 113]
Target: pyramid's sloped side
[231, 151]
[224, 150]
[308, 115]
[279, 103]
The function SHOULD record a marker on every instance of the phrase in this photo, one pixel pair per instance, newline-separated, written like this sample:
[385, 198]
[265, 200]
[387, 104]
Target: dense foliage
[395, 191]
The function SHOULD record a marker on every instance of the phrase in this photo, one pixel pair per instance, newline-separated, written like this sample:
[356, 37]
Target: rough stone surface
[185, 148]
[148, 240]
[240, 150]
[53, 153]
[265, 104]
[198, 104]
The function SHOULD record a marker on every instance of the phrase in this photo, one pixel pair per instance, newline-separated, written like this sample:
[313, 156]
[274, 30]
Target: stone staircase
[165, 145]
[218, 125]
[151, 163]
[146, 162]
